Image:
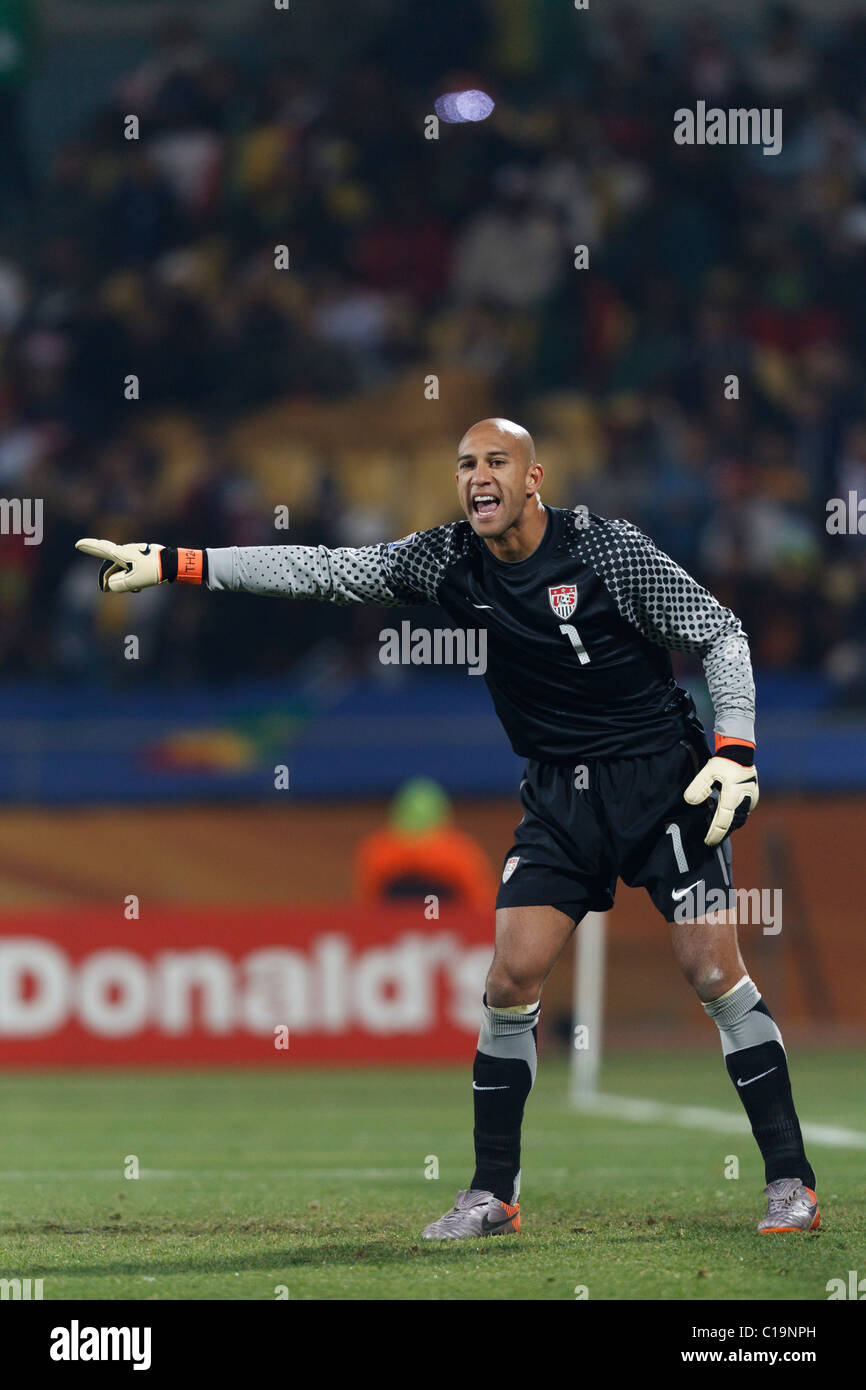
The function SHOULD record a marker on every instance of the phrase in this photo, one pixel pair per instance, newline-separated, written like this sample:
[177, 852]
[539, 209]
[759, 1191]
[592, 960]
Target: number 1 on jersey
[574, 638]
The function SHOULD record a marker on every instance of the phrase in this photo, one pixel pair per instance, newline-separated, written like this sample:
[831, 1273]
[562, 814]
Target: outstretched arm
[396, 572]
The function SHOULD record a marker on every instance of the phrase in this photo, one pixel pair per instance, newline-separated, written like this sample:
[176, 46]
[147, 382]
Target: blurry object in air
[458, 107]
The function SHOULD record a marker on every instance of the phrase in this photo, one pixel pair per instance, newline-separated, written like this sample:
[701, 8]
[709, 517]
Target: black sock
[500, 1086]
[760, 1075]
[756, 1063]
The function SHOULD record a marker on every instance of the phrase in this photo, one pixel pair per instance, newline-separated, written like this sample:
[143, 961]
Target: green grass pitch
[314, 1182]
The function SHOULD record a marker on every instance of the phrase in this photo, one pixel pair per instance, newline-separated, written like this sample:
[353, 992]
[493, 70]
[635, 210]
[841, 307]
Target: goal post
[587, 1007]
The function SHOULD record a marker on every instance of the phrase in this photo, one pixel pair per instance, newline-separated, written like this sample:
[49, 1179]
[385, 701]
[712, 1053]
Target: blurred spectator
[510, 254]
[420, 853]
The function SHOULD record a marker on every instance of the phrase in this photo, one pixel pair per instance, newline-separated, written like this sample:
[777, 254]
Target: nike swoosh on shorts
[681, 892]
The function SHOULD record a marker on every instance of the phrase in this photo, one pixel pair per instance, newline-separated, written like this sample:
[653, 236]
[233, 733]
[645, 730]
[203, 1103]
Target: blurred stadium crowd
[410, 257]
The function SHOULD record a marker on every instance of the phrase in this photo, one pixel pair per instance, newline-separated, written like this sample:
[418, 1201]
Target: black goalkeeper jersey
[578, 634]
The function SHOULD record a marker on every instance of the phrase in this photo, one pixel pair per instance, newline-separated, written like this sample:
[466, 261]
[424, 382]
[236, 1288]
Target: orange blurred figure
[420, 852]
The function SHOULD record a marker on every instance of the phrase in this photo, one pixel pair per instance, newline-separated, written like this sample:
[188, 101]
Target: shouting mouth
[485, 504]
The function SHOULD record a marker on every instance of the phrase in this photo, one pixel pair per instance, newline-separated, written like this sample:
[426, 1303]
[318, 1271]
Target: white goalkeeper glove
[738, 794]
[126, 568]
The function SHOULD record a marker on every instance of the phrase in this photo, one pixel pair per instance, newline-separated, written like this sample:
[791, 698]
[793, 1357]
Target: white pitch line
[240, 1174]
[702, 1117]
[268, 1174]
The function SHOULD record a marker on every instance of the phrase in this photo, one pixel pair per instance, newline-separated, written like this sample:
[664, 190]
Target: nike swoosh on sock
[756, 1078]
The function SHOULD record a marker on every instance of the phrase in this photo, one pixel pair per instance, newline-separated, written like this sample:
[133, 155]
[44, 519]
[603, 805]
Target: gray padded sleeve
[399, 572]
[670, 608]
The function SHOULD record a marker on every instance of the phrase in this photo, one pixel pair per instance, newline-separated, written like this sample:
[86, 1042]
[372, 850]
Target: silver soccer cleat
[475, 1214]
[792, 1207]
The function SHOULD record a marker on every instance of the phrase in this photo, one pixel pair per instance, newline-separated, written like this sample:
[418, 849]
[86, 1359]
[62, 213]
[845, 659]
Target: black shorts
[586, 826]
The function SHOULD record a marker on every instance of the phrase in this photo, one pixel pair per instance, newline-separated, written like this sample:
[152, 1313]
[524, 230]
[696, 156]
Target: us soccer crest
[563, 600]
[510, 865]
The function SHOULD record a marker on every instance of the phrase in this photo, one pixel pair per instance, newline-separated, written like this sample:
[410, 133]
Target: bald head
[511, 435]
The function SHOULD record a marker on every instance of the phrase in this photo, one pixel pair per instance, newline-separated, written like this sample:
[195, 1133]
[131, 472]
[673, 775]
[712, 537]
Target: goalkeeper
[580, 613]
